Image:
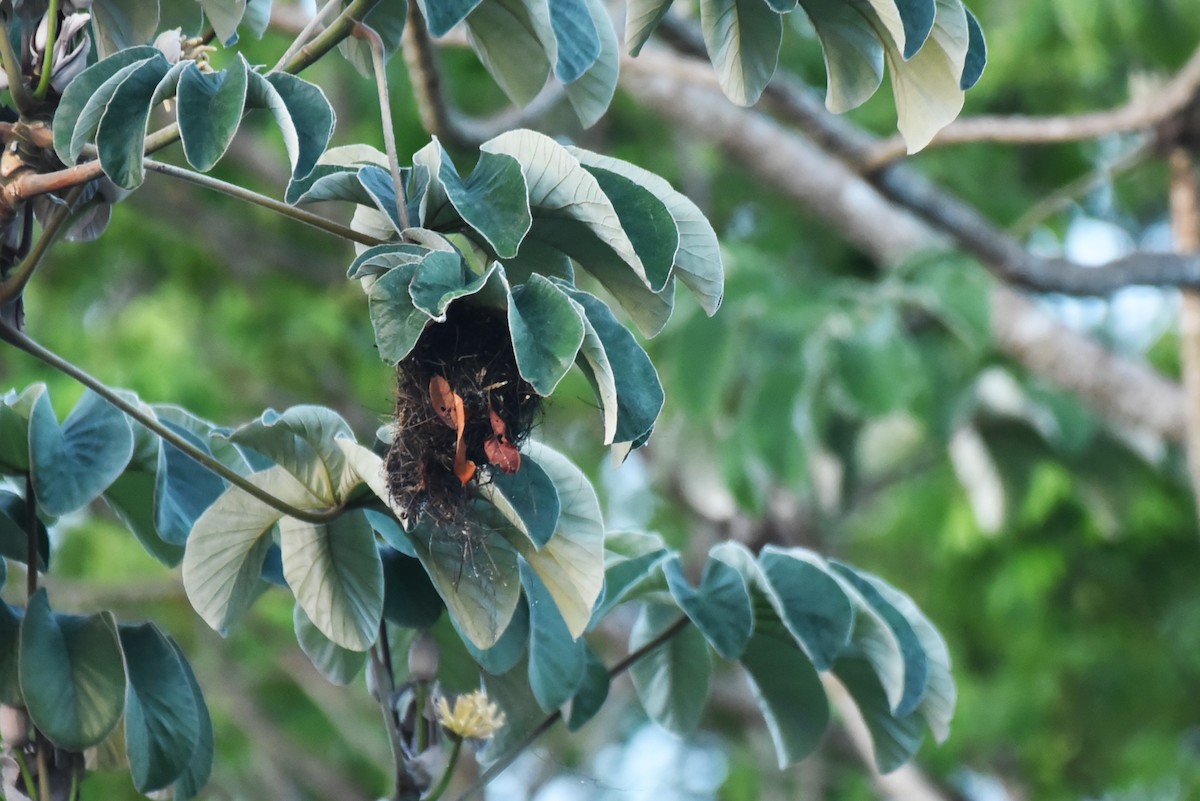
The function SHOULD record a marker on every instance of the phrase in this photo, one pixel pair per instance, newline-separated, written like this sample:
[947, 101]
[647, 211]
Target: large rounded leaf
[223, 562]
[672, 680]
[546, 332]
[556, 658]
[73, 463]
[72, 674]
[10, 651]
[162, 722]
[720, 607]
[789, 693]
[743, 39]
[193, 778]
[335, 572]
[304, 441]
[337, 664]
[527, 499]
[210, 111]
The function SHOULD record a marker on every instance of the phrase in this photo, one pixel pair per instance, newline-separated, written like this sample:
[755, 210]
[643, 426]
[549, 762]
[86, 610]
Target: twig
[1139, 114]
[378, 64]
[329, 38]
[12, 287]
[23, 342]
[250, 196]
[547, 723]
[306, 33]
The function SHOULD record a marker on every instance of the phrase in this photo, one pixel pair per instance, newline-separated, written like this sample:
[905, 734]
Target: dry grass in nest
[473, 352]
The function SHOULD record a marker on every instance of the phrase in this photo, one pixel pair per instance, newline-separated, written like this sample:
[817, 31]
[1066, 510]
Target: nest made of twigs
[472, 351]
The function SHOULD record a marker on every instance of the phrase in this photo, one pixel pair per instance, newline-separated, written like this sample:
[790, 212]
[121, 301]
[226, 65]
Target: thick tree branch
[1120, 388]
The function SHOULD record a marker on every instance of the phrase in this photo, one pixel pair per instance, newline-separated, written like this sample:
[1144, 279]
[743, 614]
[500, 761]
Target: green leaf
[878, 366]
[743, 38]
[225, 16]
[510, 649]
[442, 15]
[720, 607]
[641, 18]
[72, 674]
[896, 738]
[918, 17]
[569, 208]
[493, 200]
[337, 664]
[440, 279]
[303, 441]
[227, 546]
[131, 497]
[556, 658]
[301, 111]
[916, 667]
[592, 692]
[509, 36]
[15, 413]
[697, 259]
[409, 597]
[591, 93]
[527, 499]
[597, 369]
[811, 602]
[976, 58]
[853, 52]
[72, 128]
[193, 778]
[571, 564]
[386, 19]
[546, 333]
[72, 464]
[634, 561]
[335, 572]
[119, 24]
[927, 86]
[14, 537]
[183, 488]
[938, 699]
[645, 219]
[672, 680]
[789, 693]
[874, 641]
[162, 723]
[10, 655]
[121, 134]
[639, 393]
[398, 323]
[578, 42]
[381, 259]
[210, 111]
[475, 572]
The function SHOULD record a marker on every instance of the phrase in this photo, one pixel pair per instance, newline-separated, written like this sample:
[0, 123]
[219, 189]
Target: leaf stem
[385, 686]
[269, 203]
[26, 776]
[23, 342]
[378, 64]
[43, 768]
[548, 722]
[451, 764]
[12, 68]
[48, 59]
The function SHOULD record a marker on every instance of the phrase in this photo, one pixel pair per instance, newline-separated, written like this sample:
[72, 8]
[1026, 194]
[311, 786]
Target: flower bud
[423, 658]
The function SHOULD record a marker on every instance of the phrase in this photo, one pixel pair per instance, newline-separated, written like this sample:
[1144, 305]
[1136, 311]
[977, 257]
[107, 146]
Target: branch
[241, 193]
[1142, 113]
[497, 767]
[378, 65]
[683, 91]
[19, 340]
[1185, 223]
[425, 77]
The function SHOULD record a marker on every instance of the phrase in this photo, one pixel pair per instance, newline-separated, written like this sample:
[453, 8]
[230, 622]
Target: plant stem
[331, 36]
[12, 68]
[43, 768]
[48, 61]
[12, 287]
[554, 717]
[385, 686]
[26, 776]
[302, 38]
[23, 342]
[378, 58]
[31, 538]
[451, 764]
[269, 203]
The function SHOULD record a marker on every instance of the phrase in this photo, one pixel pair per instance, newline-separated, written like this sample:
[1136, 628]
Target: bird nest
[461, 404]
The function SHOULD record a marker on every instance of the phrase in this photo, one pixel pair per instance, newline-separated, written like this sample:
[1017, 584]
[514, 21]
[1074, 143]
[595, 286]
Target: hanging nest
[461, 404]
